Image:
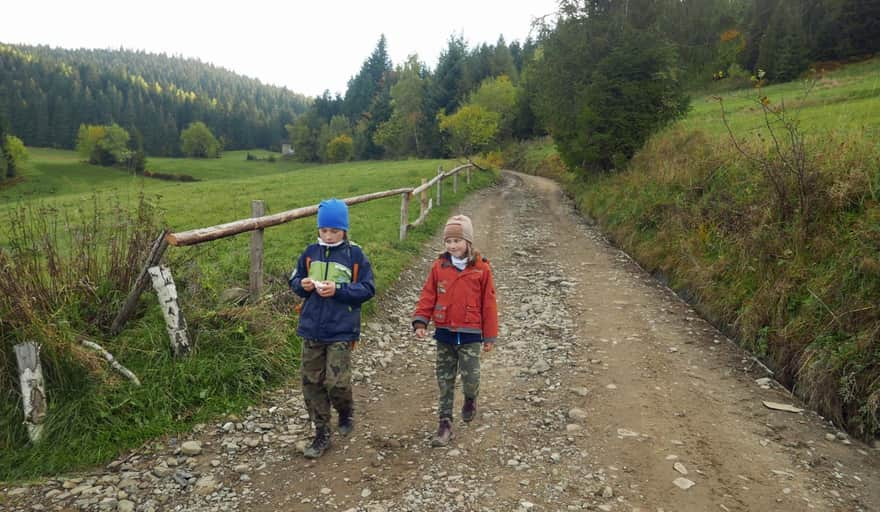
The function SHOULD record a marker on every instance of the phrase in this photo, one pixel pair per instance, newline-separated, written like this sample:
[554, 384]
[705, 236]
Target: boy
[334, 277]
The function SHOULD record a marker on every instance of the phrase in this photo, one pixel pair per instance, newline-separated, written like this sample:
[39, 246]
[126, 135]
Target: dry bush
[64, 274]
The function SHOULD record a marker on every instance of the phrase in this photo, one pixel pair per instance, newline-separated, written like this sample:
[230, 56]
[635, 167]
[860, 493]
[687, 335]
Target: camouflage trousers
[326, 379]
[452, 360]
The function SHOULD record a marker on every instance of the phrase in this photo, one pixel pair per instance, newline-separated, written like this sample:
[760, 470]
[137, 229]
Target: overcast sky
[306, 46]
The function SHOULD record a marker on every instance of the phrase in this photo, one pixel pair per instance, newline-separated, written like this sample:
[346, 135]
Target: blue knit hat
[333, 213]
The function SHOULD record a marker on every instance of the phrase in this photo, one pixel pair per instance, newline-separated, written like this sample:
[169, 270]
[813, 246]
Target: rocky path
[606, 392]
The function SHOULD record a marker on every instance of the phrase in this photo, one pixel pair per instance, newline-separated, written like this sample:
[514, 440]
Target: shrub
[197, 141]
[340, 149]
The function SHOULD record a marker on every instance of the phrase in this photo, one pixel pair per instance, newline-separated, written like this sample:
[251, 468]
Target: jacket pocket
[472, 315]
[439, 313]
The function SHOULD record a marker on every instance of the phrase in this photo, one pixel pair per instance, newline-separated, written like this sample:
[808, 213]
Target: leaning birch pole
[258, 209]
[140, 284]
[33, 391]
[163, 283]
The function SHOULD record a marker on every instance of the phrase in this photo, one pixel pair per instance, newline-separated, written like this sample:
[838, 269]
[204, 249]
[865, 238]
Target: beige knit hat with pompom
[459, 226]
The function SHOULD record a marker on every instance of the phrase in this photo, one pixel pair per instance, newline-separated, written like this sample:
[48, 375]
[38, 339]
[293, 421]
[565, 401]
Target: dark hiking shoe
[469, 409]
[319, 444]
[444, 433]
[346, 422]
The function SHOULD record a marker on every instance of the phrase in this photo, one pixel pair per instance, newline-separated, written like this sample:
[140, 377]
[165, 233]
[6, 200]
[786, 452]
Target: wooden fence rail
[259, 221]
[202, 235]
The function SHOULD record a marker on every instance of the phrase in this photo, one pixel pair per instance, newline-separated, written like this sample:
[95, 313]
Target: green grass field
[843, 101]
[241, 350]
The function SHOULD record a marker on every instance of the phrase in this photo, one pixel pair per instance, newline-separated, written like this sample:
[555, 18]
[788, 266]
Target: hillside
[772, 230]
[46, 93]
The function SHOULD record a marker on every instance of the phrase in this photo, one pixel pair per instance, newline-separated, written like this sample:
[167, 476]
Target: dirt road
[605, 392]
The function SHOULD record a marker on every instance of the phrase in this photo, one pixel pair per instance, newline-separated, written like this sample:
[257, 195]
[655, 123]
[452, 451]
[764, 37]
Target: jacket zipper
[326, 269]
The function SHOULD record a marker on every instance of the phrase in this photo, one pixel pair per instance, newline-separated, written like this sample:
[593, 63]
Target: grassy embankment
[798, 289]
[241, 350]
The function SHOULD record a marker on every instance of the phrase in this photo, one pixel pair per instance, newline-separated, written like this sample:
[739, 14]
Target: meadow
[843, 101]
[242, 349]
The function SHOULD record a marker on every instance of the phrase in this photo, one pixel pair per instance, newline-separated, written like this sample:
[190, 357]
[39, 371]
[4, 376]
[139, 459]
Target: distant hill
[46, 93]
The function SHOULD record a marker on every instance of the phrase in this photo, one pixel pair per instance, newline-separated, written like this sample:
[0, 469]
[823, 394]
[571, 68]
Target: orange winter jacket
[460, 301]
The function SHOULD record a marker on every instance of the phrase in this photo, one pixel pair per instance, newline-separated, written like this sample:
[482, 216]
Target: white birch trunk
[33, 392]
[404, 214]
[163, 283]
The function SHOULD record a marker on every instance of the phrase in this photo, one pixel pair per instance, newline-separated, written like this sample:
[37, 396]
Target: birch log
[33, 391]
[163, 283]
[112, 360]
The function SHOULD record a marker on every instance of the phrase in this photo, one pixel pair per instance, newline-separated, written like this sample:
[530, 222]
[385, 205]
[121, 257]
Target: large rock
[191, 448]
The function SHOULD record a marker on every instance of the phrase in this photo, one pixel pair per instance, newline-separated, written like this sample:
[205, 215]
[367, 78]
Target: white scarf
[459, 263]
[325, 244]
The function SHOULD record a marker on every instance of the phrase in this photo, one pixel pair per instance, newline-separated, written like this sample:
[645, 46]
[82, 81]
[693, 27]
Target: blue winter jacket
[336, 318]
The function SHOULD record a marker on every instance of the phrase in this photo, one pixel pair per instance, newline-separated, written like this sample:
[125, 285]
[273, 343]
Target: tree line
[598, 75]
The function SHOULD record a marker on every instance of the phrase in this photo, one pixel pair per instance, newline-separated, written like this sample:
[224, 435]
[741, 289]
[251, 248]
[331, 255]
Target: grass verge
[241, 350]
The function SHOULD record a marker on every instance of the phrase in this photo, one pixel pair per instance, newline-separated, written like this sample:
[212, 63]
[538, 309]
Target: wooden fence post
[404, 214]
[423, 200]
[439, 183]
[33, 392]
[468, 171]
[455, 183]
[258, 209]
[163, 283]
[140, 284]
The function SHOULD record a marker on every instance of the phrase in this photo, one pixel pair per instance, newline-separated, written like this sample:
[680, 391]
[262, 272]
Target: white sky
[306, 46]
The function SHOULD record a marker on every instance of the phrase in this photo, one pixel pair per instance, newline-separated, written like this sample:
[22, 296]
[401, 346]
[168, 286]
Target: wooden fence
[259, 221]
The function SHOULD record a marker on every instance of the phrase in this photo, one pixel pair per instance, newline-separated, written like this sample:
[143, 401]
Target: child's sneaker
[469, 409]
[444, 433]
[346, 421]
[319, 444]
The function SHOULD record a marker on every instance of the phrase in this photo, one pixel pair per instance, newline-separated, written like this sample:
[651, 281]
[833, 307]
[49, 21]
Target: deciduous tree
[197, 141]
[103, 145]
[340, 149]
[402, 133]
[470, 129]
[497, 95]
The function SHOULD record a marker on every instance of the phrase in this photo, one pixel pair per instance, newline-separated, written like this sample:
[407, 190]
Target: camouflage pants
[326, 379]
[454, 359]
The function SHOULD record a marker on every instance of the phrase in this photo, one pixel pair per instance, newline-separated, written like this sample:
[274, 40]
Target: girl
[459, 295]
